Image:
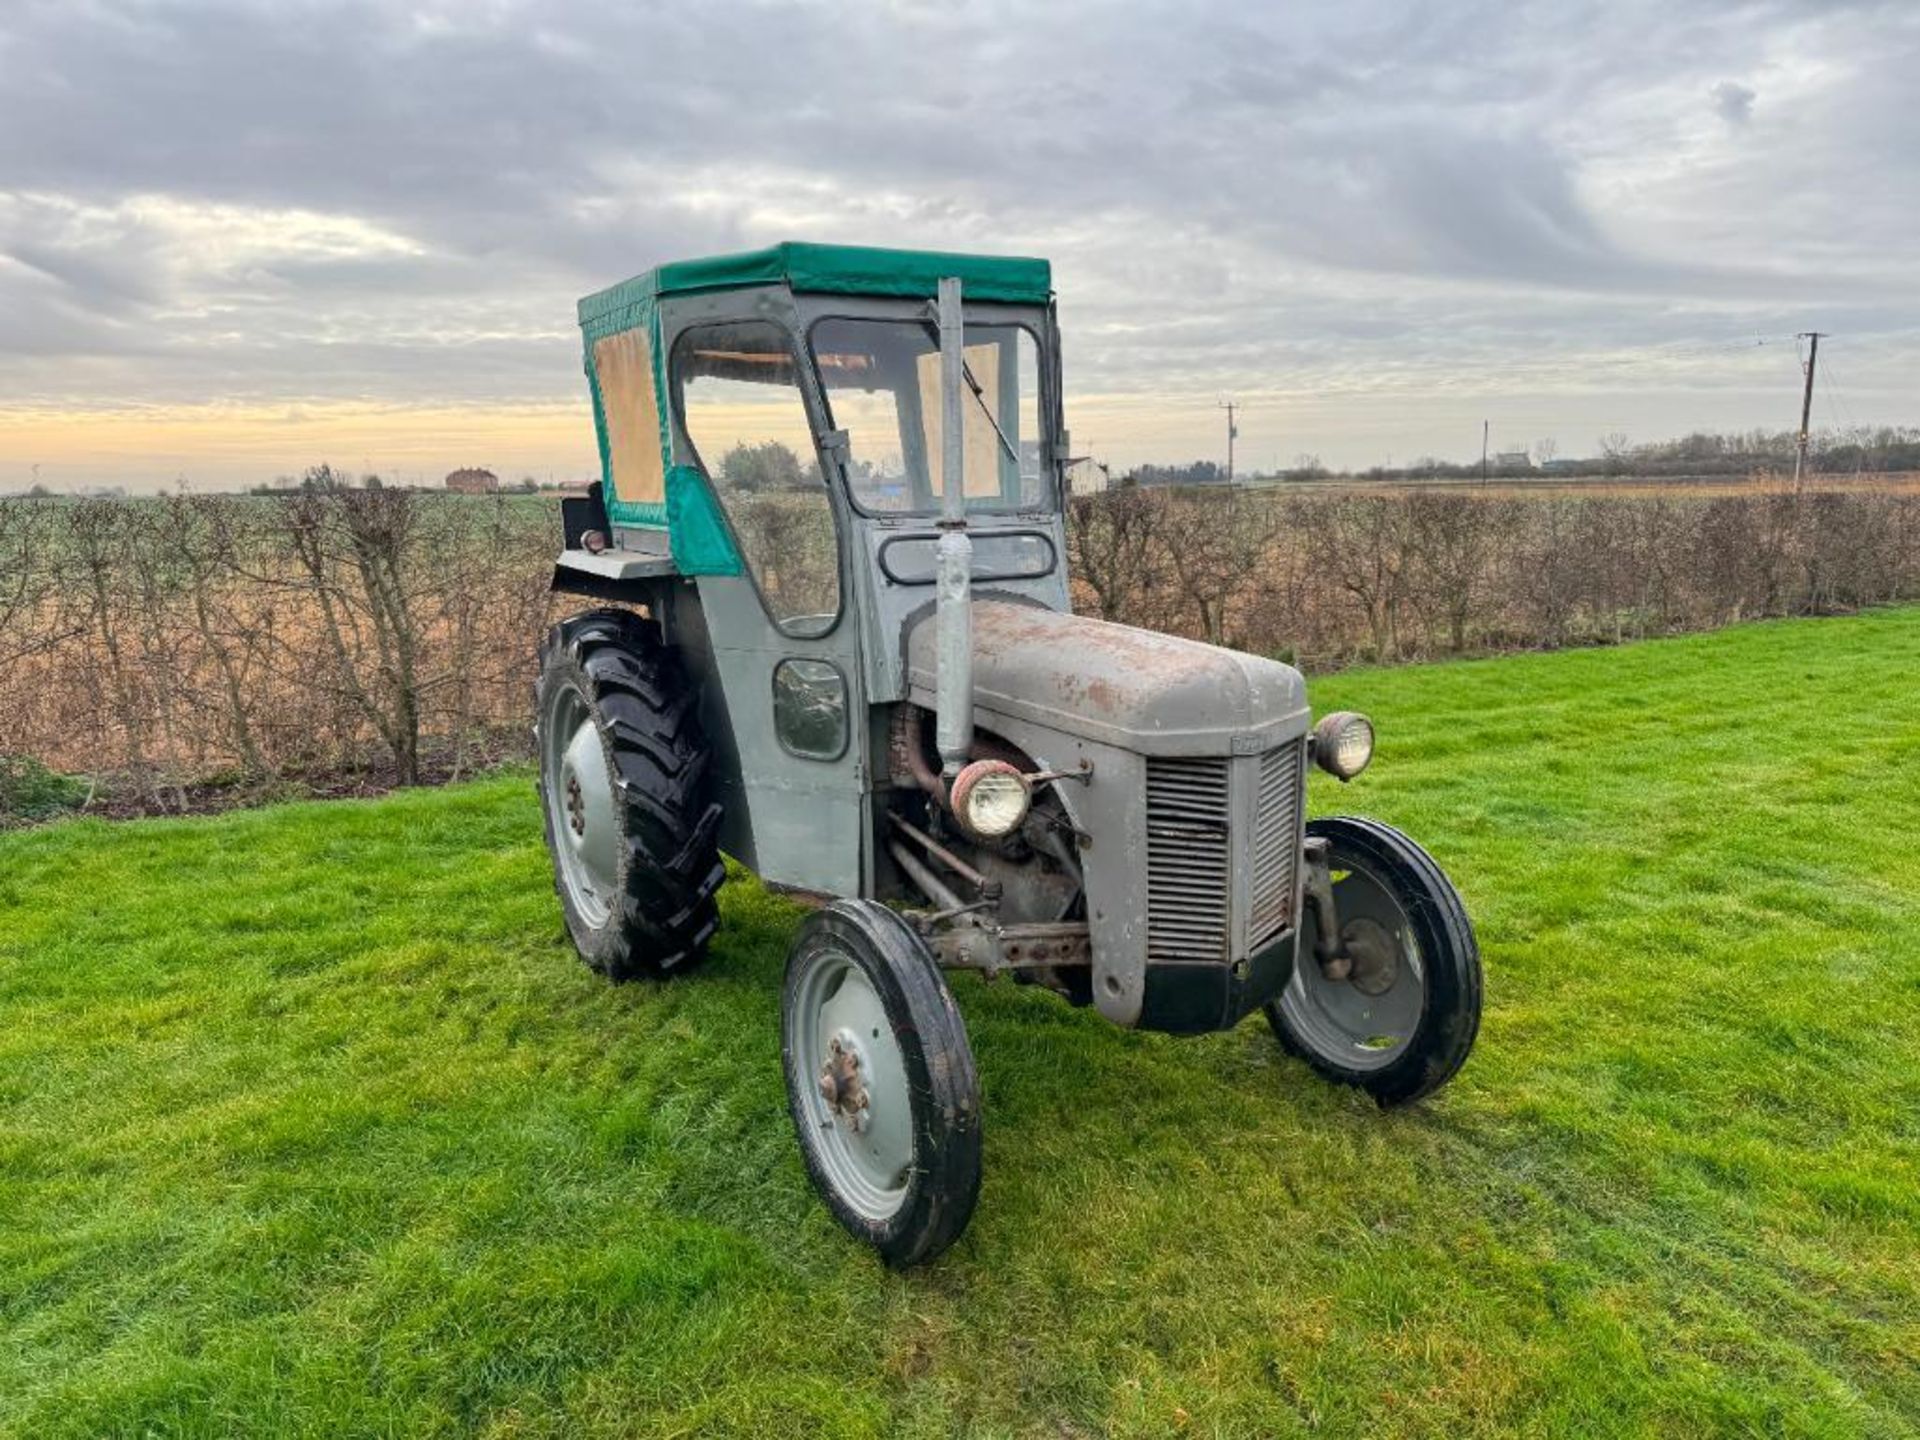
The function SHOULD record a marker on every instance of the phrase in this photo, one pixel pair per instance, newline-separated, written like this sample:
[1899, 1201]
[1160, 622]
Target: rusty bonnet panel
[1143, 691]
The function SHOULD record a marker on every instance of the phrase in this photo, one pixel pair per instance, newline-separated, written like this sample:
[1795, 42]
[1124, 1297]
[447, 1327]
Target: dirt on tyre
[881, 1082]
[626, 796]
[1402, 1020]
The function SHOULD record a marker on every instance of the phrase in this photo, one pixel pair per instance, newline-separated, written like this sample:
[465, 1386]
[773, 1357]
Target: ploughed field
[312, 1123]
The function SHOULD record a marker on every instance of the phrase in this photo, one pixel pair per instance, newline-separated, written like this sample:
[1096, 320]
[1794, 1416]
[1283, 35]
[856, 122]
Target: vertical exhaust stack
[954, 615]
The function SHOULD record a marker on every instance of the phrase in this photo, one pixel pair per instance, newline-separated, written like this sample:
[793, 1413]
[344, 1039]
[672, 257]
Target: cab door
[783, 641]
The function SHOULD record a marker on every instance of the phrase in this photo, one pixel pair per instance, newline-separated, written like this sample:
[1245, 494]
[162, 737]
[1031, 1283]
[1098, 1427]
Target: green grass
[30, 791]
[310, 1123]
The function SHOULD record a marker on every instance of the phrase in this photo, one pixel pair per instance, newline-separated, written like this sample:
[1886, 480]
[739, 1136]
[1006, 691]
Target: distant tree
[530, 485]
[767, 466]
[1544, 449]
[1614, 446]
[39, 492]
[323, 479]
[373, 482]
[1198, 472]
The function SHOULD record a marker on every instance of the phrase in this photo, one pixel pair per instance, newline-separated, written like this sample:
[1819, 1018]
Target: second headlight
[1343, 743]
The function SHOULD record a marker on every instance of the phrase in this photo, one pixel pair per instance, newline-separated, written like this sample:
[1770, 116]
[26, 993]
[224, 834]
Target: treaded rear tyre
[1436, 922]
[612, 695]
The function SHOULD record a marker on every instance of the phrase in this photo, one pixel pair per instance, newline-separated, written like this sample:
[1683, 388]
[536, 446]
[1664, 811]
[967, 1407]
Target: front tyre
[880, 1081]
[1402, 1019]
[625, 796]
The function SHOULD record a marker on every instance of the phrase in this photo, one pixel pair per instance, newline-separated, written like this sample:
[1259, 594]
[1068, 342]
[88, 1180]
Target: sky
[238, 239]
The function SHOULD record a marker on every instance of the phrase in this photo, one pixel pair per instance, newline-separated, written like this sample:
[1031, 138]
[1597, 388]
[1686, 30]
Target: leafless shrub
[1454, 544]
[1114, 543]
[1216, 544]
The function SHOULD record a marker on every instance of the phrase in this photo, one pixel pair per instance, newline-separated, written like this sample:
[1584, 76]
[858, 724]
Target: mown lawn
[310, 1123]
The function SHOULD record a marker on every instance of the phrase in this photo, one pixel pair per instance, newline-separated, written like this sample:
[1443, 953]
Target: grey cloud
[1733, 102]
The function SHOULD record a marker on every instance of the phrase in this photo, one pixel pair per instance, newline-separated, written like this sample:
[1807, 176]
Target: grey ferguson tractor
[831, 517]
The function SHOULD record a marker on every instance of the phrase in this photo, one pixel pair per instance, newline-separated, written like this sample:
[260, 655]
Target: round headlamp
[990, 798]
[1343, 743]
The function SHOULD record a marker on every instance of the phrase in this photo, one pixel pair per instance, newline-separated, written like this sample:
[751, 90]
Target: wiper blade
[987, 410]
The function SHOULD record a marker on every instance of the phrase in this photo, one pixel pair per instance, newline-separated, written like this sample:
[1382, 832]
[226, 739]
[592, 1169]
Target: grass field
[310, 1123]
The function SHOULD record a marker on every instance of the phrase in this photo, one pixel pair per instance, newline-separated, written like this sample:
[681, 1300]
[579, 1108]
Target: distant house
[469, 481]
[1086, 476]
[1513, 460]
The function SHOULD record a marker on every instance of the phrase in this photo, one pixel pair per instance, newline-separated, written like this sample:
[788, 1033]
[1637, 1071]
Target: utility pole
[1812, 337]
[1232, 431]
[1483, 451]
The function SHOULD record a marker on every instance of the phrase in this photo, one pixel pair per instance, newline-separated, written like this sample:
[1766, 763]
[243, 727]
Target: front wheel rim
[850, 1083]
[581, 811]
[1337, 1019]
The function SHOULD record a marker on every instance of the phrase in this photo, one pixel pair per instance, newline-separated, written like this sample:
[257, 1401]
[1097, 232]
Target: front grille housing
[1189, 861]
[1223, 853]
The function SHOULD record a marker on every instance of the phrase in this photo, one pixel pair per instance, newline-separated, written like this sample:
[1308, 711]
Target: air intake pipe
[954, 578]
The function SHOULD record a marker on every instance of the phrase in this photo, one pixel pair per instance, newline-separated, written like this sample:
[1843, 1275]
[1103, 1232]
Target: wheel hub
[1373, 955]
[843, 1084]
[576, 806]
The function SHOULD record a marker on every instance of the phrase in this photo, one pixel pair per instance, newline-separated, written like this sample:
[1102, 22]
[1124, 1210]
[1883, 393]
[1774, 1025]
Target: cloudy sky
[239, 238]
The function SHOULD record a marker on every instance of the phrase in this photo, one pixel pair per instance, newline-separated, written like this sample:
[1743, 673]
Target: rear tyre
[880, 1081]
[1403, 1021]
[625, 796]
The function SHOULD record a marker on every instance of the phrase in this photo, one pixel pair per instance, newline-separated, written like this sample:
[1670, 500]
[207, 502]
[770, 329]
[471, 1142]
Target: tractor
[838, 645]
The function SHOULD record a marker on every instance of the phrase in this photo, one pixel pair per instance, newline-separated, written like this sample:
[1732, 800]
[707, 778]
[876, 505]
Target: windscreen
[882, 379]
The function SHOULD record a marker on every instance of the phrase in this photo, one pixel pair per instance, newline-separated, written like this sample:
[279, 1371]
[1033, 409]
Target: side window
[741, 404]
[623, 370]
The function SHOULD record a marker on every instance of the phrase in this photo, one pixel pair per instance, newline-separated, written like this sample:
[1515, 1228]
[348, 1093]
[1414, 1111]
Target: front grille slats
[1276, 847]
[1192, 848]
[1189, 868]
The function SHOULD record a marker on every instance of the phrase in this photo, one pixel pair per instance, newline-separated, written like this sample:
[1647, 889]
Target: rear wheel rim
[581, 812]
[1337, 1019]
[841, 1031]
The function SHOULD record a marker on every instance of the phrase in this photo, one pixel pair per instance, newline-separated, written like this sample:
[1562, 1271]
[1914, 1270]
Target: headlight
[1343, 743]
[990, 798]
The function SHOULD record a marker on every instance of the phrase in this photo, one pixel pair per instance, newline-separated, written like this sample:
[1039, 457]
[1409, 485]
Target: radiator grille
[1189, 874]
[1276, 848]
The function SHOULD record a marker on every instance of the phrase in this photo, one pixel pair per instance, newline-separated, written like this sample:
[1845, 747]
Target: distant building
[469, 481]
[1513, 460]
[1086, 476]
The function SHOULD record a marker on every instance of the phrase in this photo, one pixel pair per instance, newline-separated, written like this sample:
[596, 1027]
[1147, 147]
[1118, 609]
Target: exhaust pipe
[954, 578]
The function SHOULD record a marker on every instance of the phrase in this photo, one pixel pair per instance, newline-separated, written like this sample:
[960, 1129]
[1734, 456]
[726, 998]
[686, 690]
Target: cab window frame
[810, 409]
[1049, 503]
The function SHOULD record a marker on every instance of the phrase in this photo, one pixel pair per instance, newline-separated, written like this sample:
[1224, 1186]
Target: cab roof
[834, 270]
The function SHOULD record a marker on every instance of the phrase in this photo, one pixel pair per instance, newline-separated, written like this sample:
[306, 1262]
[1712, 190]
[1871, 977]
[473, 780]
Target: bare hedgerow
[1362, 547]
[103, 670]
[1455, 543]
[28, 623]
[1216, 544]
[158, 643]
[1114, 543]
